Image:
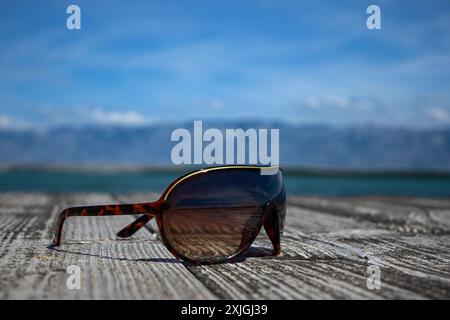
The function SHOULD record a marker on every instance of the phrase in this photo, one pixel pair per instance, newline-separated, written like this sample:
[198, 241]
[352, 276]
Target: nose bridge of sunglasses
[271, 225]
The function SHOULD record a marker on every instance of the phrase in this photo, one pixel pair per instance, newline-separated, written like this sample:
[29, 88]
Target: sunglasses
[207, 216]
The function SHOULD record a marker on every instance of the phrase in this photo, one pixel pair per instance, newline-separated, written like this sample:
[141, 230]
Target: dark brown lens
[214, 215]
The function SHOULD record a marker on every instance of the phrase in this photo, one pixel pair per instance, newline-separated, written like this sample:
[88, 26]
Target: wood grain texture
[110, 268]
[328, 245]
[326, 254]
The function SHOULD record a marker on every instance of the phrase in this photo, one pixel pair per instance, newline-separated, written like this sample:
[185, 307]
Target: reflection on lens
[210, 233]
[213, 215]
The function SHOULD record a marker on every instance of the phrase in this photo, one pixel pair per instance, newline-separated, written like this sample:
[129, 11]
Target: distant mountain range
[313, 146]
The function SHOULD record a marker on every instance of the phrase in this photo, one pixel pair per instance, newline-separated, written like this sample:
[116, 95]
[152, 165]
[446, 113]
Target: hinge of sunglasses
[133, 227]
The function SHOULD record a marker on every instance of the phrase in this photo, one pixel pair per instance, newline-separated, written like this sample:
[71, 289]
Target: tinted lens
[213, 215]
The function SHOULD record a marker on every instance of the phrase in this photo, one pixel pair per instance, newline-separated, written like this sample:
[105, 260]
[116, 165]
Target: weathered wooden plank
[335, 268]
[434, 214]
[425, 203]
[316, 242]
[295, 279]
[327, 256]
[387, 214]
[328, 245]
[307, 221]
[110, 268]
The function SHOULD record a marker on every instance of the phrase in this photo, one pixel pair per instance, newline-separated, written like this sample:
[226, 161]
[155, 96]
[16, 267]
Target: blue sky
[139, 62]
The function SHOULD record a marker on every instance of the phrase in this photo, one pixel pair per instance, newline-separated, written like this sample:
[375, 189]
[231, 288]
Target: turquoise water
[296, 183]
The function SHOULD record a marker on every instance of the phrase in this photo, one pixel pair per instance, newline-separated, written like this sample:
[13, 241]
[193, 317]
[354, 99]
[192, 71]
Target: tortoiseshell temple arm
[133, 227]
[148, 209]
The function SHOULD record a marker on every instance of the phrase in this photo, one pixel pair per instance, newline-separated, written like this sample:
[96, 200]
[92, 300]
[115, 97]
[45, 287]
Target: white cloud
[7, 122]
[216, 105]
[127, 118]
[440, 115]
[79, 115]
[339, 102]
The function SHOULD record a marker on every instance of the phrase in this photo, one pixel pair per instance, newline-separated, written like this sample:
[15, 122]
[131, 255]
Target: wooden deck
[328, 245]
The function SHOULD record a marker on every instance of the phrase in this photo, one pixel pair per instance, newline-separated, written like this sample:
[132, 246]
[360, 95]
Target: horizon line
[289, 170]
